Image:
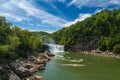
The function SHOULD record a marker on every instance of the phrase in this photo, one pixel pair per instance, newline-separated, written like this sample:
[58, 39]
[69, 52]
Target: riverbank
[101, 53]
[77, 66]
[22, 69]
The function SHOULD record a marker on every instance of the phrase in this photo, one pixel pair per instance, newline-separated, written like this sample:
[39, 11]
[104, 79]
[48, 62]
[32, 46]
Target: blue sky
[51, 15]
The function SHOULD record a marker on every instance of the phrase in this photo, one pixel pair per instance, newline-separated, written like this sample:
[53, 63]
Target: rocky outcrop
[82, 46]
[21, 69]
[13, 76]
[18, 67]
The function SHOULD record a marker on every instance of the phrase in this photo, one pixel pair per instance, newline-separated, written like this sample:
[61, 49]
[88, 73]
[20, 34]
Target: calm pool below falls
[77, 66]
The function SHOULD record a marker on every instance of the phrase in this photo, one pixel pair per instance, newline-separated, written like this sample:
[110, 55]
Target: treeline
[15, 42]
[104, 26]
[44, 36]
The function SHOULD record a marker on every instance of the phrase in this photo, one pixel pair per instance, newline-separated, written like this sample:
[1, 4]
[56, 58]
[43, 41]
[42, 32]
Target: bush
[102, 44]
[6, 54]
[4, 49]
[116, 48]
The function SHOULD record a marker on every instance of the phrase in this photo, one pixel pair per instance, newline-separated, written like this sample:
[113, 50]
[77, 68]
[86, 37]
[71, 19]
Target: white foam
[74, 65]
[75, 60]
[54, 48]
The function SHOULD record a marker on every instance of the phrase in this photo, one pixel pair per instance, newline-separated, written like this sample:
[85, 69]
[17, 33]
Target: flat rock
[35, 77]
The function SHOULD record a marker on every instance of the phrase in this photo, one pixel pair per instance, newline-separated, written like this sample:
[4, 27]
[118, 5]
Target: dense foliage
[104, 26]
[44, 36]
[16, 42]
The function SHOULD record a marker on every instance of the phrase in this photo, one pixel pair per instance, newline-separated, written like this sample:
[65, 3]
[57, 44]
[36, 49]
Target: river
[78, 66]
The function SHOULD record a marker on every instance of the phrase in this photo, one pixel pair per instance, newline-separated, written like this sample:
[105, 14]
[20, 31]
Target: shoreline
[23, 69]
[101, 53]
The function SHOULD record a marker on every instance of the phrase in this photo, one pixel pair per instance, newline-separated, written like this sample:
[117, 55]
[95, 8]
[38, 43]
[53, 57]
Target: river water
[78, 66]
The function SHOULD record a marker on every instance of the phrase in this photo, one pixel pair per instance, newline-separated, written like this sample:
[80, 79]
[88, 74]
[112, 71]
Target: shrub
[116, 48]
[6, 54]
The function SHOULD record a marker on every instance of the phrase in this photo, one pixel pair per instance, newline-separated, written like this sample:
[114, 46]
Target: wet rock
[34, 77]
[33, 69]
[49, 54]
[41, 67]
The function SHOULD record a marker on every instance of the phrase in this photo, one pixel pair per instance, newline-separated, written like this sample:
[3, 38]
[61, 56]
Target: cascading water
[53, 48]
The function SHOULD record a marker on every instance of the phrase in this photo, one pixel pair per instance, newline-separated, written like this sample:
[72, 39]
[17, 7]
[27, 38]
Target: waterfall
[53, 48]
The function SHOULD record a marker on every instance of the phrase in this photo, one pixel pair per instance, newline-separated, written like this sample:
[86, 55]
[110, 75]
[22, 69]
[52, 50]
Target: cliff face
[82, 46]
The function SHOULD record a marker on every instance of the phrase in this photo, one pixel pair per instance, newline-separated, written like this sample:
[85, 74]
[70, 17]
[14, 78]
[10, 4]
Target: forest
[15, 42]
[103, 26]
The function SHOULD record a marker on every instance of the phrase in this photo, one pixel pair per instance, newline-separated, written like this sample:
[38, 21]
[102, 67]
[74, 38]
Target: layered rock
[13, 76]
[21, 69]
[82, 46]
[18, 67]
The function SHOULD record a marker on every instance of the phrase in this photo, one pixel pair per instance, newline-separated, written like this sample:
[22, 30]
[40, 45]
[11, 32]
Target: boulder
[33, 69]
[41, 67]
[1, 67]
[22, 72]
[29, 65]
[24, 68]
[18, 67]
[31, 58]
[13, 76]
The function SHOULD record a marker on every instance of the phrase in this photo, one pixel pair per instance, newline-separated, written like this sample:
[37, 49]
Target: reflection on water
[76, 66]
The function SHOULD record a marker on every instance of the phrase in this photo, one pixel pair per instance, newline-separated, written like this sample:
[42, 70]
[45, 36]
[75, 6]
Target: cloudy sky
[51, 15]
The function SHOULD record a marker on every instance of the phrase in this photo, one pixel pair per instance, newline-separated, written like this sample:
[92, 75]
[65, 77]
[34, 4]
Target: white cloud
[80, 18]
[18, 19]
[27, 9]
[10, 10]
[94, 3]
[115, 2]
[78, 3]
[49, 1]
[98, 10]
[44, 16]
[13, 17]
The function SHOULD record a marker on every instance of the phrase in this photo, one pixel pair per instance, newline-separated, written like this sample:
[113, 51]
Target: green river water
[77, 66]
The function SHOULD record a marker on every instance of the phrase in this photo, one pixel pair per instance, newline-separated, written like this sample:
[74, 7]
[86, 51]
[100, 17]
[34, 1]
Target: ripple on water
[73, 65]
[69, 60]
[75, 60]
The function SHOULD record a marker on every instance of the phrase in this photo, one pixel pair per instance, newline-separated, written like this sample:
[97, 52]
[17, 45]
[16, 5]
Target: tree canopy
[105, 26]
[16, 42]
